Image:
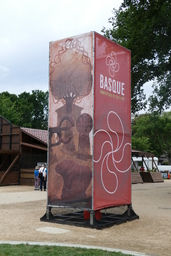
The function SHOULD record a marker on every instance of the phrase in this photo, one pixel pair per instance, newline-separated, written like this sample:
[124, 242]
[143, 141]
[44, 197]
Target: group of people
[40, 177]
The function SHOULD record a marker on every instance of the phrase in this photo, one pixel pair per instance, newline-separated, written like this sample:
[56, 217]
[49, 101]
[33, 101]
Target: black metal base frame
[77, 219]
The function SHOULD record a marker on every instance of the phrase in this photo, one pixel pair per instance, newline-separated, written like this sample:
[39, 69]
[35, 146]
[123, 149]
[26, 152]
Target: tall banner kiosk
[89, 155]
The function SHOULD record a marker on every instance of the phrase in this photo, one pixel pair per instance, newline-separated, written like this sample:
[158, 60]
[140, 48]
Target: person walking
[36, 178]
[42, 176]
[45, 177]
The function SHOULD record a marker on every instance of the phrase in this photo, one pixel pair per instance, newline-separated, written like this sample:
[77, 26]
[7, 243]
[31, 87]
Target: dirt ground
[21, 209]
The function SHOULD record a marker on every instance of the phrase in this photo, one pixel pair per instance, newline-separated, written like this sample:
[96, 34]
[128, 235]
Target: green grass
[31, 250]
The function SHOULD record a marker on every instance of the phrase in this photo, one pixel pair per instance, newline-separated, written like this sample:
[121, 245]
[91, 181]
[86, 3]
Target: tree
[8, 108]
[26, 110]
[25, 107]
[156, 131]
[140, 143]
[144, 27]
[161, 97]
[39, 100]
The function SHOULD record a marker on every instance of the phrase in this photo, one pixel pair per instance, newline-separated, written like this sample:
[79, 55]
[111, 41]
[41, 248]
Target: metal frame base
[77, 219]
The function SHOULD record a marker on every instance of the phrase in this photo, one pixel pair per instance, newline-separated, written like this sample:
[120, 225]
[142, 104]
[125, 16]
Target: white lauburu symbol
[111, 61]
[120, 145]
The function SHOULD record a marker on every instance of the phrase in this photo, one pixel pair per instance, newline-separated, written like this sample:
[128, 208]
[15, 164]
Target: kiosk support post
[91, 217]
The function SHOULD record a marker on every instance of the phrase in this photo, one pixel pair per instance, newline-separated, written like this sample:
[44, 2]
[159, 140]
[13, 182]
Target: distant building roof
[138, 153]
[41, 135]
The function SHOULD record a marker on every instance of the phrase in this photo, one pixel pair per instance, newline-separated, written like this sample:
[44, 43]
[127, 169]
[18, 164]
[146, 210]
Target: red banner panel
[112, 125]
[71, 122]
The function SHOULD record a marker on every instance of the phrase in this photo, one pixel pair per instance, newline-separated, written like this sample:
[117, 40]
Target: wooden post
[3, 162]
[9, 168]
[134, 165]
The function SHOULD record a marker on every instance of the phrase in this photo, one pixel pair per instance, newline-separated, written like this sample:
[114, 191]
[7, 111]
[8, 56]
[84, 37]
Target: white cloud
[4, 69]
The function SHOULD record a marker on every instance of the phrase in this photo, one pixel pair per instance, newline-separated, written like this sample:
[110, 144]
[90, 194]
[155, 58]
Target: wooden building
[20, 151]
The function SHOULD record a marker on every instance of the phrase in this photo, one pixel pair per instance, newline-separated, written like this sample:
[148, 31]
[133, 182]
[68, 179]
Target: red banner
[112, 125]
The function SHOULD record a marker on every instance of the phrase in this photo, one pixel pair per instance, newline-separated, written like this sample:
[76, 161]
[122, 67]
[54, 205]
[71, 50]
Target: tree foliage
[152, 133]
[8, 107]
[39, 100]
[144, 27]
[25, 110]
[141, 143]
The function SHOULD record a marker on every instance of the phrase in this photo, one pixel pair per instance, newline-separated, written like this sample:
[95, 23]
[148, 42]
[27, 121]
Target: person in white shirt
[43, 176]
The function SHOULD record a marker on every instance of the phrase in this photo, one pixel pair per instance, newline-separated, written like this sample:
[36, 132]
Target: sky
[27, 27]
